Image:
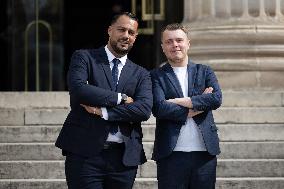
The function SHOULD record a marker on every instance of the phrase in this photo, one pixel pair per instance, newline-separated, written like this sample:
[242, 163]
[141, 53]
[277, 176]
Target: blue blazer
[90, 82]
[170, 116]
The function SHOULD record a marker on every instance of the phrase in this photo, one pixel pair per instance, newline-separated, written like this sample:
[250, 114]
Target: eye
[121, 29]
[132, 33]
[179, 40]
[168, 42]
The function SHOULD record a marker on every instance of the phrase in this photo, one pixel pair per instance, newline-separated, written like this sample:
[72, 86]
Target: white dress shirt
[118, 136]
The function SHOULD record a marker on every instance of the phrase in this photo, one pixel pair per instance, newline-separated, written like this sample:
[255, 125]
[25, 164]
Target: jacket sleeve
[163, 109]
[79, 89]
[211, 101]
[140, 109]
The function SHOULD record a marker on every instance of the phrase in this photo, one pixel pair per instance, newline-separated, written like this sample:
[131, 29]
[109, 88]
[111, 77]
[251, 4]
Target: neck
[114, 52]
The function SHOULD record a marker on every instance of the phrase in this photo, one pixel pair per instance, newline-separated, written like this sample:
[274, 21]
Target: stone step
[29, 151]
[232, 168]
[20, 100]
[227, 132]
[57, 116]
[61, 99]
[230, 150]
[148, 183]
[253, 99]
[251, 132]
[249, 115]
[226, 168]
[252, 150]
[240, 150]
[38, 133]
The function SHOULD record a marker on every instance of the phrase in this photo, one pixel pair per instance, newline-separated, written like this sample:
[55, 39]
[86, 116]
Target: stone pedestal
[243, 41]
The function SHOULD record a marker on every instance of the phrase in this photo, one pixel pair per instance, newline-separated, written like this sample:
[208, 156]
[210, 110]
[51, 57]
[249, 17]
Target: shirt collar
[110, 56]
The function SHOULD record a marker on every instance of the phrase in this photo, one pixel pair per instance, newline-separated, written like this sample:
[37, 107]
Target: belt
[113, 145]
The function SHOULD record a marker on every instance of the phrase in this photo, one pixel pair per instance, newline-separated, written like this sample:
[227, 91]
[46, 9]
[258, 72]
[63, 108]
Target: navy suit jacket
[90, 83]
[170, 117]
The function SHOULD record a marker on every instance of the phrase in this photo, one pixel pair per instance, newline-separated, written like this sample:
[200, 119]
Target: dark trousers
[105, 171]
[187, 170]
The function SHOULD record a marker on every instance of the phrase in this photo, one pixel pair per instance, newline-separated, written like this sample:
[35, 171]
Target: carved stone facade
[243, 41]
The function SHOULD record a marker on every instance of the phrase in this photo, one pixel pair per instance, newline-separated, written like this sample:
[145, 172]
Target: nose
[175, 43]
[126, 34]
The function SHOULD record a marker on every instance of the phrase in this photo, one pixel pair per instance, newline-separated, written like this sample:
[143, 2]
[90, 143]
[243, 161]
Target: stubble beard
[119, 50]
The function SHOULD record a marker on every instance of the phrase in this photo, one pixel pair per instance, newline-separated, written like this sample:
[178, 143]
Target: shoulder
[84, 53]
[89, 55]
[160, 70]
[201, 67]
[137, 68]
[81, 54]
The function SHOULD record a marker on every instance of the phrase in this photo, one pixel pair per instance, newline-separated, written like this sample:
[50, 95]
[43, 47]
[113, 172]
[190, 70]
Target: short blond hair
[175, 26]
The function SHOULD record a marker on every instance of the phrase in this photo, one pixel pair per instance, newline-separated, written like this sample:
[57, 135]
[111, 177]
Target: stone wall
[243, 40]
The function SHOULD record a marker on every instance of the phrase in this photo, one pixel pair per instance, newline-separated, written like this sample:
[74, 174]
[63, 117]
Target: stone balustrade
[243, 10]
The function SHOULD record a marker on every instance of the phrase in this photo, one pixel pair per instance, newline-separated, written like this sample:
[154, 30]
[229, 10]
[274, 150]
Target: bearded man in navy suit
[109, 96]
[185, 93]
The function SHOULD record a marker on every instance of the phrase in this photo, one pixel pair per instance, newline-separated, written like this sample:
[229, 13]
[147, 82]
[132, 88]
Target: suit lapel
[125, 74]
[173, 79]
[191, 70]
[106, 68]
[103, 61]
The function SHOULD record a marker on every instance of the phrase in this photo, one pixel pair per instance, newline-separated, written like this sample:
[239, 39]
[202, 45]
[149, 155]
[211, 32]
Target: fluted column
[243, 40]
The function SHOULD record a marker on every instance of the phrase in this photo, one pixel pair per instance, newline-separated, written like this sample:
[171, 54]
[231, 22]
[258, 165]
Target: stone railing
[229, 10]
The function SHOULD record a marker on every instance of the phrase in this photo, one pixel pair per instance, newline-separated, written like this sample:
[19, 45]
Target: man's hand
[208, 90]
[129, 100]
[93, 110]
[185, 102]
[192, 113]
[98, 110]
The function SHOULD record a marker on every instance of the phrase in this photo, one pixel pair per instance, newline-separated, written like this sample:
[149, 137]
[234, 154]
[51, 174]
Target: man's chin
[122, 51]
[176, 57]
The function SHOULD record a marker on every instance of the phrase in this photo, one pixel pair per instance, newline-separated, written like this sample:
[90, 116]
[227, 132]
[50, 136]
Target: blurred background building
[241, 39]
[38, 37]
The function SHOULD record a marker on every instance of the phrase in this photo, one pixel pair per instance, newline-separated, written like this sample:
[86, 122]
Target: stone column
[243, 41]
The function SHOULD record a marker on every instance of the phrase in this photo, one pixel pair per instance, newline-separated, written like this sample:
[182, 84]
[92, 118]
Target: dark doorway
[85, 24]
[5, 75]
[74, 25]
[86, 27]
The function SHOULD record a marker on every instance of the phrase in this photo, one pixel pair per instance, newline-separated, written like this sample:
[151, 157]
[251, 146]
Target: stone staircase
[251, 130]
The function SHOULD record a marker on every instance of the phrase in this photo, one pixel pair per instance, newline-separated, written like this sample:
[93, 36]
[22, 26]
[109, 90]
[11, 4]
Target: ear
[162, 46]
[109, 30]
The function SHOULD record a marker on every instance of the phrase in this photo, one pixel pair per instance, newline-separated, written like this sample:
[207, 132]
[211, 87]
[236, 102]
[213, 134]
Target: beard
[121, 51]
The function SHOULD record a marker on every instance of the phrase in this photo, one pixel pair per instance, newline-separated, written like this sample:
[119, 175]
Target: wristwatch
[123, 98]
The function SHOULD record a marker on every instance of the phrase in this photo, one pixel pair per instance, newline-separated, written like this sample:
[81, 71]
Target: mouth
[124, 43]
[176, 51]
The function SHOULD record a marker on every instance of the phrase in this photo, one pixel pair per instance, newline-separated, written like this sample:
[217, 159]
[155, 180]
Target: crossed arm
[179, 109]
[98, 110]
[135, 109]
[92, 98]
[186, 102]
